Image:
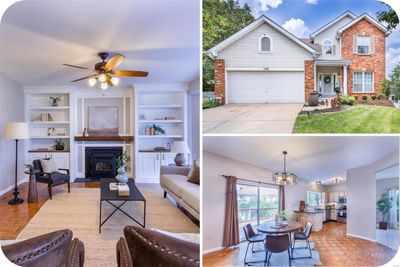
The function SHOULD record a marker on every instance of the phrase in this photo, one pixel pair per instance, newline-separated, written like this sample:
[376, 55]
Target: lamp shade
[180, 147]
[16, 130]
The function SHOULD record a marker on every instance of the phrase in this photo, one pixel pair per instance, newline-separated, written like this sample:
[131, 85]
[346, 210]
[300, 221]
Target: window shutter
[333, 49]
[355, 44]
[372, 44]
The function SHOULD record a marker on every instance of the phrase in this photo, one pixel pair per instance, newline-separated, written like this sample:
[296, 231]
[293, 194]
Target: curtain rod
[248, 180]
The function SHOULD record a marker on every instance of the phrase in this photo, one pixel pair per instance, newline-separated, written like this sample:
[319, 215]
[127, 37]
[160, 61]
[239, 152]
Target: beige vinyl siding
[243, 53]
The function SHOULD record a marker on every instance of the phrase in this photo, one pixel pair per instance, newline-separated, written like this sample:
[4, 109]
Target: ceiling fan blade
[87, 77]
[114, 62]
[130, 73]
[78, 67]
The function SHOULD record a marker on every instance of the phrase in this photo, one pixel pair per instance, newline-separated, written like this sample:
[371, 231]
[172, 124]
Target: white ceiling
[391, 172]
[309, 157]
[161, 37]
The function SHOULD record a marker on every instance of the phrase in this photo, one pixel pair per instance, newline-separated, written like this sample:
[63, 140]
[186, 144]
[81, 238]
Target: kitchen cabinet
[323, 198]
[334, 215]
[150, 164]
[333, 196]
[61, 158]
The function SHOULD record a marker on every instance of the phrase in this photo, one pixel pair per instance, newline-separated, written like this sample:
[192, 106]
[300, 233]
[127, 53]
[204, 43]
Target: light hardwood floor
[335, 248]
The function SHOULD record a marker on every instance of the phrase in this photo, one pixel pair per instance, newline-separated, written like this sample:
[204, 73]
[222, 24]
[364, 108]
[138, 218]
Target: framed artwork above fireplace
[103, 120]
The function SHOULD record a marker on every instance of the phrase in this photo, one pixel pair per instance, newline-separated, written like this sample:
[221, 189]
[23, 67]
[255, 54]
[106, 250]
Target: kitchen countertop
[308, 211]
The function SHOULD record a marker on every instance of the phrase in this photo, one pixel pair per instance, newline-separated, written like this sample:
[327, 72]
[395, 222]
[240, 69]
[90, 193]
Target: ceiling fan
[105, 73]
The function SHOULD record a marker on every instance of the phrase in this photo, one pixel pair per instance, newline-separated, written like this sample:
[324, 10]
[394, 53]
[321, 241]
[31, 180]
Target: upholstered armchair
[52, 249]
[148, 248]
[51, 179]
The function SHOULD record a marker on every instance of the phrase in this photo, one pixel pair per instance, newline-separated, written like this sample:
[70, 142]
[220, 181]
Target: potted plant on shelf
[122, 162]
[384, 205]
[59, 144]
[55, 100]
[158, 129]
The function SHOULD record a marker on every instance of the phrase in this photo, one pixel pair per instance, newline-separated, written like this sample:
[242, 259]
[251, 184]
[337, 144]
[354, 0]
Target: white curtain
[393, 223]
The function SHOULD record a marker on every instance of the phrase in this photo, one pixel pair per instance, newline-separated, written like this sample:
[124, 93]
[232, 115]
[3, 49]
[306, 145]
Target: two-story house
[264, 63]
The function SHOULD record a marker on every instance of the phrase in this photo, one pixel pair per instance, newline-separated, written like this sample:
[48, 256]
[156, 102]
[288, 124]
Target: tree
[221, 19]
[389, 16]
[392, 86]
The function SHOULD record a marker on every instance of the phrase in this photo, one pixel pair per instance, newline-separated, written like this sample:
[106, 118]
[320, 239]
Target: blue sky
[302, 17]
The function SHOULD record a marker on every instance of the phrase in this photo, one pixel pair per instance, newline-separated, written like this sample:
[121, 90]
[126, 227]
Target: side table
[32, 190]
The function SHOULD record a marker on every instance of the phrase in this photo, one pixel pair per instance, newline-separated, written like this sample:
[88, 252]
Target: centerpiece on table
[122, 162]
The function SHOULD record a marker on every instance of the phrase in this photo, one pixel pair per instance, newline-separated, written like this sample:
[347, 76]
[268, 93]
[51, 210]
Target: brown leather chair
[276, 244]
[51, 179]
[303, 236]
[52, 249]
[144, 247]
[252, 238]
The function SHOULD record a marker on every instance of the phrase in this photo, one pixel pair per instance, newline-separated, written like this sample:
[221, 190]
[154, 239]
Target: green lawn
[357, 119]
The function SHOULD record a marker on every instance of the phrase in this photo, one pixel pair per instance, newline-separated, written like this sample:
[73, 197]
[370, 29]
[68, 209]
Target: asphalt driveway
[251, 118]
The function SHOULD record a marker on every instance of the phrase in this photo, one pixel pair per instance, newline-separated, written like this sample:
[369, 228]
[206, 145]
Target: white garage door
[265, 87]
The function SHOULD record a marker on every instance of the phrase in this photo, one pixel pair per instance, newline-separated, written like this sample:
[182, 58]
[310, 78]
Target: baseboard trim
[12, 186]
[362, 237]
[212, 250]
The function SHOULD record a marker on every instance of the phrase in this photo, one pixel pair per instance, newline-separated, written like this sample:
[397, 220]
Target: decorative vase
[55, 103]
[122, 177]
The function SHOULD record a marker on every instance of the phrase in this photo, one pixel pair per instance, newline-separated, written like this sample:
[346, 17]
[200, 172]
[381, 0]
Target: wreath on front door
[327, 79]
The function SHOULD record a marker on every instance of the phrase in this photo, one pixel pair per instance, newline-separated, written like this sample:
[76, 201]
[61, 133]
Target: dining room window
[314, 199]
[256, 204]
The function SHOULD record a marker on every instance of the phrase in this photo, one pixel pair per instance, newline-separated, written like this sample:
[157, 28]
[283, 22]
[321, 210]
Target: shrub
[356, 97]
[347, 100]
[364, 97]
[210, 103]
[381, 96]
[373, 97]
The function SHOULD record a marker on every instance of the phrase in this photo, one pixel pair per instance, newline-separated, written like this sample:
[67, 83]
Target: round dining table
[270, 228]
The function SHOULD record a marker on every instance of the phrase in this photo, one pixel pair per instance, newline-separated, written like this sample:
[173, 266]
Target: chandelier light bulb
[104, 86]
[92, 82]
[115, 80]
[102, 77]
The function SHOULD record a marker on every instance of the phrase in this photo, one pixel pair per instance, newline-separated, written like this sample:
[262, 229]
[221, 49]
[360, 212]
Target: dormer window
[363, 45]
[327, 47]
[265, 44]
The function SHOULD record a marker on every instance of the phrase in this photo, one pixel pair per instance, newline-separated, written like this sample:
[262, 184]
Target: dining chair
[303, 236]
[276, 244]
[252, 238]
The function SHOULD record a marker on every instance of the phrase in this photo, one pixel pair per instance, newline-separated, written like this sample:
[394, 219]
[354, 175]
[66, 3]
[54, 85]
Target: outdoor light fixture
[284, 178]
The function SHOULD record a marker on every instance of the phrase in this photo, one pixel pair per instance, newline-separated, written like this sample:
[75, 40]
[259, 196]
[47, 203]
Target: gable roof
[361, 17]
[329, 24]
[262, 19]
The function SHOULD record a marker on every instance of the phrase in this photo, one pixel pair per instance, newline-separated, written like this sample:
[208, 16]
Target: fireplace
[101, 162]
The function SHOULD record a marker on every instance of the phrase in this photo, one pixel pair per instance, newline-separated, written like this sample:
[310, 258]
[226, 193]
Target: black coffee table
[112, 195]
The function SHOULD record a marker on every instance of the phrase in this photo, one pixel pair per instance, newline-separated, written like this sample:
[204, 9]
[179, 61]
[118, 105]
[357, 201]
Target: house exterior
[264, 63]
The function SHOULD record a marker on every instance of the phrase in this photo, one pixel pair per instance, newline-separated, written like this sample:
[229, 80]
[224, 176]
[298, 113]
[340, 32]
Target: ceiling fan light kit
[105, 72]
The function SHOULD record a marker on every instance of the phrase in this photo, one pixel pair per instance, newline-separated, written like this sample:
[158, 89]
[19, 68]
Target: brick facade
[219, 78]
[308, 78]
[374, 63]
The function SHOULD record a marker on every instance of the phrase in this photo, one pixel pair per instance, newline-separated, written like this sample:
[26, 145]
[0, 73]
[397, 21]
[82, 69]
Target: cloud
[296, 27]
[394, 37]
[260, 6]
[312, 2]
[392, 59]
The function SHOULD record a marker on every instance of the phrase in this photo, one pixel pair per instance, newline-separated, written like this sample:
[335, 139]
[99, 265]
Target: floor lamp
[16, 131]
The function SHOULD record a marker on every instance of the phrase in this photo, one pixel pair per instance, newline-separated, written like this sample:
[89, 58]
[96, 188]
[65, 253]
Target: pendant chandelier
[284, 178]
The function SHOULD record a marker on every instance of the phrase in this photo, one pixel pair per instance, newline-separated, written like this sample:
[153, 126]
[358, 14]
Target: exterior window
[363, 43]
[265, 44]
[314, 199]
[327, 47]
[363, 82]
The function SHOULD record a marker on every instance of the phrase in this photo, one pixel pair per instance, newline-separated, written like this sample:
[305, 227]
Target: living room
[113, 92]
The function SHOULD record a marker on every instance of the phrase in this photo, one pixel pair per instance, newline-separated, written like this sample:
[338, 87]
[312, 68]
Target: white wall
[361, 197]
[214, 187]
[194, 119]
[382, 186]
[12, 109]
[341, 187]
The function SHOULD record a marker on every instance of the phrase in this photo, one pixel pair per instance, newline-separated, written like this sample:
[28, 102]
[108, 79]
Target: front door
[327, 83]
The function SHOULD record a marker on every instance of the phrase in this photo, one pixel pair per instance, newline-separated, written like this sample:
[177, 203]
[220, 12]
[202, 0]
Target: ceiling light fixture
[284, 178]
[337, 180]
[102, 78]
[115, 80]
[104, 86]
[92, 82]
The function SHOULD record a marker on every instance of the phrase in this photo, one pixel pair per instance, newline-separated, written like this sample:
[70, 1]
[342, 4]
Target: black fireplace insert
[101, 162]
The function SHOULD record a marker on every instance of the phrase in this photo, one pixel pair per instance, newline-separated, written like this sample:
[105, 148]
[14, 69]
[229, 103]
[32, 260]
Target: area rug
[79, 211]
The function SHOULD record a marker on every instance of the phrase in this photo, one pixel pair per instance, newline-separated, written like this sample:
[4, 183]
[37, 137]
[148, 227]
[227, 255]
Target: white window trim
[369, 45]
[323, 50]
[271, 47]
[362, 83]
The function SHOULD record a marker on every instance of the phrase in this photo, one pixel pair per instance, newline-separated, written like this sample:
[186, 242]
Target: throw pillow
[194, 173]
[49, 165]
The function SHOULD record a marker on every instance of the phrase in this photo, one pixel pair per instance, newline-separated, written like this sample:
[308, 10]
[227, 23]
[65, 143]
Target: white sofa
[173, 181]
